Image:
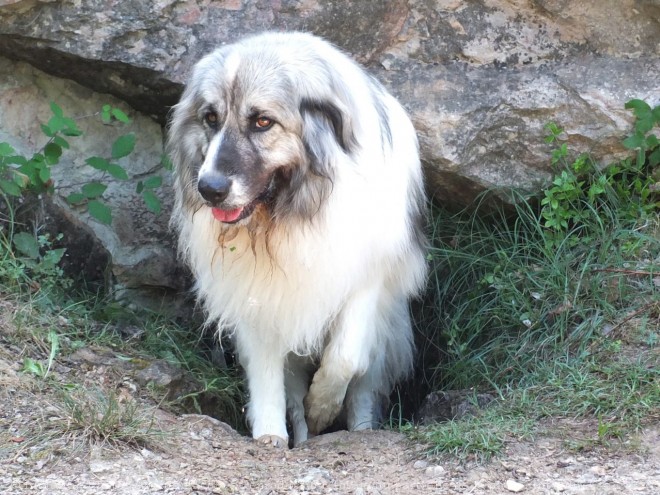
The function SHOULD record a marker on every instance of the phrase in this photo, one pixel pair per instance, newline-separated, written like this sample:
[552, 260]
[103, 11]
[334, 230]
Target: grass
[544, 319]
[96, 415]
[49, 321]
[621, 393]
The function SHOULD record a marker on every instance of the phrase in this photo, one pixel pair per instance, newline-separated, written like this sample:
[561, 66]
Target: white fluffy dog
[299, 208]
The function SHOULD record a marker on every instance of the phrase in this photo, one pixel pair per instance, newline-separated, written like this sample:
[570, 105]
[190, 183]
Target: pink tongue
[226, 215]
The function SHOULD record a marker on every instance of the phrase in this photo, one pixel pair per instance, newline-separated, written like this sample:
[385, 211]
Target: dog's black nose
[214, 188]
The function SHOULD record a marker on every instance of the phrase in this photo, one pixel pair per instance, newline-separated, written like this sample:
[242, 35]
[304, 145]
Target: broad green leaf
[117, 171]
[152, 201]
[645, 124]
[26, 244]
[30, 171]
[10, 188]
[60, 141]
[639, 107]
[71, 128]
[123, 146]
[654, 158]
[634, 141]
[44, 174]
[16, 159]
[55, 124]
[21, 180]
[72, 132]
[153, 182]
[120, 116]
[98, 163]
[93, 190]
[166, 162]
[641, 157]
[75, 198]
[53, 152]
[656, 114]
[6, 149]
[52, 257]
[57, 110]
[100, 212]
[47, 130]
[105, 114]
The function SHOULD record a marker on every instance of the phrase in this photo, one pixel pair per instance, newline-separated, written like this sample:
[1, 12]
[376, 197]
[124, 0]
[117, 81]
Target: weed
[99, 415]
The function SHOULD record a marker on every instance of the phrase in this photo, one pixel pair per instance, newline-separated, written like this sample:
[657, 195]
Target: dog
[300, 208]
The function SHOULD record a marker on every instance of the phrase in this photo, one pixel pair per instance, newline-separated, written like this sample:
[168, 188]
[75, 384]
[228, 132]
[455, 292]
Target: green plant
[36, 367]
[19, 173]
[99, 415]
[579, 188]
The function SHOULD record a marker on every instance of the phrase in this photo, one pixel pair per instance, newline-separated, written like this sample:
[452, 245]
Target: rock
[558, 487]
[434, 471]
[514, 486]
[480, 79]
[451, 404]
[162, 374]
[420, 464]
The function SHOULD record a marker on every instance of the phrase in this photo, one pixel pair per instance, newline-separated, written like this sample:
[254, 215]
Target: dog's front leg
[347, 355]
[264, 367]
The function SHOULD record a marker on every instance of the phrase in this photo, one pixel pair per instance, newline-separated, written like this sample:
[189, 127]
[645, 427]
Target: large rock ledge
[480, 78]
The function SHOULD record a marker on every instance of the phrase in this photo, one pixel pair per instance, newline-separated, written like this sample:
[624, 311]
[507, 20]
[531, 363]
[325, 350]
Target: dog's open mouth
[235, 215]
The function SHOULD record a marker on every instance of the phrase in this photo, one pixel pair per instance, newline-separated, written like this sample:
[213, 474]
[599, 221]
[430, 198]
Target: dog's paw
[320, 415]
[273, 440]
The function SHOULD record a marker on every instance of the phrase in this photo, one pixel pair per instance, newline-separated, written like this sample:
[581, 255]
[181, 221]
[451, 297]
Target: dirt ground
[200, 455]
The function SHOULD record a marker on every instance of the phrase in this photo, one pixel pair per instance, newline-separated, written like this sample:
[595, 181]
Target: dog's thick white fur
[299, 208]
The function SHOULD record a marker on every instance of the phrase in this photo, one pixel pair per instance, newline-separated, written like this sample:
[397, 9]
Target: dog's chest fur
[285, 291]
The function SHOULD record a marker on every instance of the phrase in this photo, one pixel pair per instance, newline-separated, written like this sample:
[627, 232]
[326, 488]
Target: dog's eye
[262, 123]
[211, 118]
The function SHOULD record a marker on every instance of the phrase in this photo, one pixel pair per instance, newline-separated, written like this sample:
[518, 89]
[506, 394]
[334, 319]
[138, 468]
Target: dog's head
[260, 125]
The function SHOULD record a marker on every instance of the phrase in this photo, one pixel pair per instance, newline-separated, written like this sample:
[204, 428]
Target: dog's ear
[326, 127]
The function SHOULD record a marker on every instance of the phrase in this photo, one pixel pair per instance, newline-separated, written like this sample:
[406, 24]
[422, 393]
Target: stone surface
[175, 381]
[137, 242]
[480, 80]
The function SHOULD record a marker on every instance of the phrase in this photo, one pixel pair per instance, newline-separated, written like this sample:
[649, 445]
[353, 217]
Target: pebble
[558, 487]
[100, 467]
[434, 471]
[514, 486]
[420, 464]
[588, 479]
